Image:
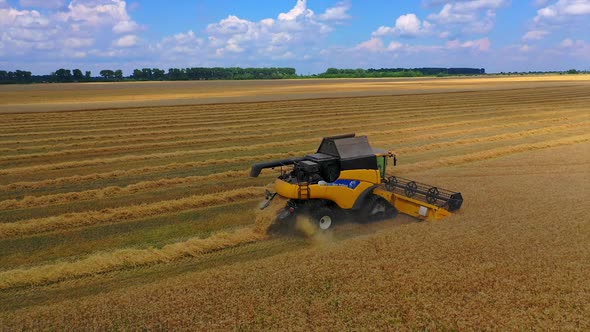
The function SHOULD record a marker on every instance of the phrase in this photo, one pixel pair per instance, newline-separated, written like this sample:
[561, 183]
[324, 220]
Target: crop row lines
[235, 133]
[243, 113]
[248, 109]
[400, 139]
[106, 161]
[62, 198]
[121, 214]
[279, 115]
[66, 221]
[128, 148]
[343, 118]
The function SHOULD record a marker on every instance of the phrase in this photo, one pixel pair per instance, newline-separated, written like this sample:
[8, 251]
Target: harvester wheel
[377, 208]
[324, 217]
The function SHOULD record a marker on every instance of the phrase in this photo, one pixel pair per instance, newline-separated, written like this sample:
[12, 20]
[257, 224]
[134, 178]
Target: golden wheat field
[144, 218]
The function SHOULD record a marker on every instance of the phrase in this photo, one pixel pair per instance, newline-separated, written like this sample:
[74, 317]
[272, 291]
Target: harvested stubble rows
[93, 199]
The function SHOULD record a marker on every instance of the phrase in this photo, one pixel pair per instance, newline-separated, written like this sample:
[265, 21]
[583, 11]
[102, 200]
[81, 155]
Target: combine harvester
[346, 177]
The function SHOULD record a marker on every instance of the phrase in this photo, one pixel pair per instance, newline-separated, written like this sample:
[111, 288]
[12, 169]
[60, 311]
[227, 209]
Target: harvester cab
[346, 176]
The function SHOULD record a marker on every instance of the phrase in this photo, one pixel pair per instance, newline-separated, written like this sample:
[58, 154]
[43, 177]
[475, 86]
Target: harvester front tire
[324, 218]
[377, 208]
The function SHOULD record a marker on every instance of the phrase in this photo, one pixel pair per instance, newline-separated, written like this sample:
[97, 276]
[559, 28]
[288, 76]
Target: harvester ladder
[303, 190]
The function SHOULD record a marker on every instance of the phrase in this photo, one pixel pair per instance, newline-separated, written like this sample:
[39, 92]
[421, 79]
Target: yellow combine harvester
[346, 176]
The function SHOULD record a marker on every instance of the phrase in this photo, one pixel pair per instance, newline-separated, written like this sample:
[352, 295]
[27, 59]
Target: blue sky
[310, 35]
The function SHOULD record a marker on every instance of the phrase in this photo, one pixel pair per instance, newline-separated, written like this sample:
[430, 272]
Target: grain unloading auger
[346, 176]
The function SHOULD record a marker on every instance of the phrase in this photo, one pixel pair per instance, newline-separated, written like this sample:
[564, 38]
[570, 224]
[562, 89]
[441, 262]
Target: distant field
[84, 96]
[144, 217]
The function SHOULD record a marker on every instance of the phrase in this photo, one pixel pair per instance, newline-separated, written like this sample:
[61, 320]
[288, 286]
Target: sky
[42, 36]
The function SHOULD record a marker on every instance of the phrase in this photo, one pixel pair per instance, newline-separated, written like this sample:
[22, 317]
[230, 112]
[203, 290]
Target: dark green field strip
[142, 233]
[141, 197]
[22, 298]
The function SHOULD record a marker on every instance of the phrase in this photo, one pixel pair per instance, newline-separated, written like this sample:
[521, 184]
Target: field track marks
[33, 226]
[496, 138]
[121, 214]
[63, 198]
[244, 112]
[281, 116]
[103, 161]
[125, 258]
[30, 201]
[159, 137]
[138, 171]
[489, 154]
[234, 129]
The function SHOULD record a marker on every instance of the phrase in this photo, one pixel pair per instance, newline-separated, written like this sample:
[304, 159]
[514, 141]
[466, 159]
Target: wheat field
[145, 218]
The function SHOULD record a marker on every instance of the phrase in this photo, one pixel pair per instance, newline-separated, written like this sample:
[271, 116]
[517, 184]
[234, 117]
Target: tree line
[399, 72]
[149, 74]
[236, 73]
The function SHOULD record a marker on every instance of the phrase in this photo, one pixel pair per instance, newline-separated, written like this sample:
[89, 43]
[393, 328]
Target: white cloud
[535, 35]
[125, 27]
[127, 41]
[82, 28]
[471, 17]
[50, 4]
[337, 13]
[408, 25]
[525, 48]
[371, 45]
[96, 12]
[563, 9]
[560, 16]
[482, 44]
[78, 42]
[289, 35]
[300, 10]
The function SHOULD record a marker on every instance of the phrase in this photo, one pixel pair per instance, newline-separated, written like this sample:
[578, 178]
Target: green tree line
[399, 72]
[236, 73]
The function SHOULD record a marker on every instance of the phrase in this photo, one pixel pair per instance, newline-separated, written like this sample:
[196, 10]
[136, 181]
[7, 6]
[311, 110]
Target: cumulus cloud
[562, 10]
[371, 45]
[96, 12]
[471, 17]
[289, 35]
[49, 4]
[482, 44]
[563, 15]
[535, 35]
[82, 27]
[127, 41]
[408, 25]
[337, 13]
